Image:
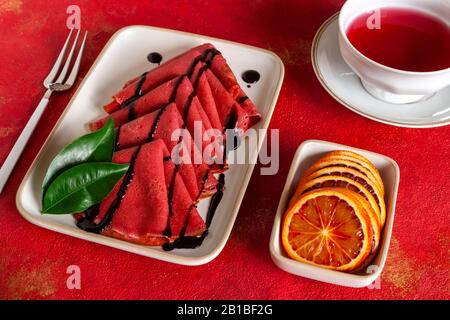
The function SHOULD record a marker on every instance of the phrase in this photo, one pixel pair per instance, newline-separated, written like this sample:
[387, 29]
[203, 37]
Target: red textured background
[33, 261]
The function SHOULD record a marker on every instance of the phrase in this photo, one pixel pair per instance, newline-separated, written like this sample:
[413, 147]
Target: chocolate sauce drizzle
[117, 144]
[251, 76]
[242, 99]
[92, 212]
[87, 223]
[137, 94]
[139, 85]
[231, 125]
[154, 57]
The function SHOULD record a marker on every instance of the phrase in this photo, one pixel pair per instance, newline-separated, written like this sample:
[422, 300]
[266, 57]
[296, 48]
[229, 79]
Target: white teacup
[385, 83]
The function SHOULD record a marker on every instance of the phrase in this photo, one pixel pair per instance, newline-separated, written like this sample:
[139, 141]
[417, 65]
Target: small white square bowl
[307, 153]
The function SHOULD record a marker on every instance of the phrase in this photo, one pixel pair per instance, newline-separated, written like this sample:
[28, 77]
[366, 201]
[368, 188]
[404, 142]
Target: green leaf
[81, 187]
[97, 146]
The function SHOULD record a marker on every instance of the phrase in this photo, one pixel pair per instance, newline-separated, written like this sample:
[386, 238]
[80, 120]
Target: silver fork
[60, 84]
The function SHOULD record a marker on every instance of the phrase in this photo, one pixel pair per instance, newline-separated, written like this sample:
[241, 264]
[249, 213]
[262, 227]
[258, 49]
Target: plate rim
[324, 83]
[124, 245]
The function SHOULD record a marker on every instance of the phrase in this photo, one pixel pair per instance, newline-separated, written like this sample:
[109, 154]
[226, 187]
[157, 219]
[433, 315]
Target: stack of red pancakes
[155, 202]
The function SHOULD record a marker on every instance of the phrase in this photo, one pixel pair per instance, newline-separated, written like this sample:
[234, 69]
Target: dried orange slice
[357, 177]
[328, 181]
[373, 217]
[328, 228]
[363, 161]
[330, 161]
[376, 238]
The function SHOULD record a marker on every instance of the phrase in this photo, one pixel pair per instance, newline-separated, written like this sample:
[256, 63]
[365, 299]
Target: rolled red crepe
[213, 99]
[245, 112]
[155, 204]
[183, 210]
[249, 108]
[169, 70]
[181, 87]
[146, 211]
[205, 96]
[181, 64]
[223, 72]
[148, 103]
[161, 124]
[191, 110]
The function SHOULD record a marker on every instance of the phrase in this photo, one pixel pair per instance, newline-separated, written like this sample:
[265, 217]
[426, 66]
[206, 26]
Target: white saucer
[344, 85]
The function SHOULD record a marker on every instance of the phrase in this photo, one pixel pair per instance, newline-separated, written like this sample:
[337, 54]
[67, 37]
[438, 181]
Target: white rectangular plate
[309, 152]
[123, 58]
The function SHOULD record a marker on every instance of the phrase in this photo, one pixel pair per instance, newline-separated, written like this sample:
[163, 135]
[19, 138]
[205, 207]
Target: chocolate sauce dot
[251, 76]
[154, 57]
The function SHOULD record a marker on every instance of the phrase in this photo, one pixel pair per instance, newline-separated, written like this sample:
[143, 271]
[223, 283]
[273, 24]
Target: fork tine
[64, 70]
[52, 75]
[73, 74]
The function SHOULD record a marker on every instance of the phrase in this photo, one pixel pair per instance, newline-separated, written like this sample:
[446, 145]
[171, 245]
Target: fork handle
[20, 144]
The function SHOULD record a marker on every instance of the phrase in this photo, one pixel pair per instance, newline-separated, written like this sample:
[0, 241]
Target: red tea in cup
[404, 39]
